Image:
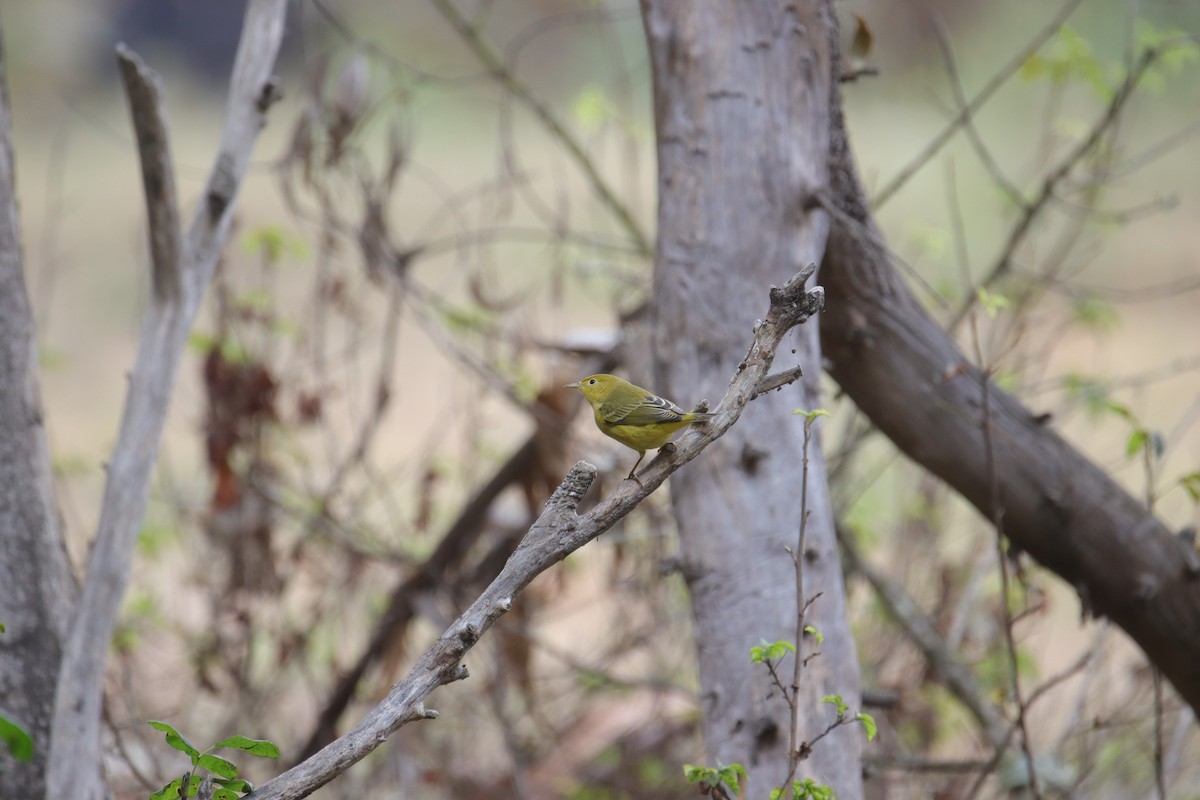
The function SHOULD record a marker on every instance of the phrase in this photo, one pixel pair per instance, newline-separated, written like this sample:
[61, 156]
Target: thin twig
[998, 80]
[801, 609]
[1031, 211]
[1002, 560]
[518, 88]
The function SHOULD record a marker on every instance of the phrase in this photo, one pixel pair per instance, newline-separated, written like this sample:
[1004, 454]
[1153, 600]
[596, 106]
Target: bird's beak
[574, 385]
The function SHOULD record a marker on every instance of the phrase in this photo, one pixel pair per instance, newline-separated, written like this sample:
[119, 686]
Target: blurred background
[419, 262]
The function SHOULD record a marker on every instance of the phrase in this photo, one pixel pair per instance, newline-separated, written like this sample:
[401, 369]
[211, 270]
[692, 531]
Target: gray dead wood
[558, 532]
[75, 764]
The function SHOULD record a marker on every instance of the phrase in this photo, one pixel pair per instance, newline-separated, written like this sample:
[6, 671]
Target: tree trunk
[36, 589]
[742, 99]
[906, 373]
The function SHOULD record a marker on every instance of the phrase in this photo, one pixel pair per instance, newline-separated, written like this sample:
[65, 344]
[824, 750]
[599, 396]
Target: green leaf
[1090, 392]
[811, 631]
[868, 723]
[168, 792]
[175, 739]
[201, 343]
[837, 702]
[1096, 313]
[991, 303]
[17, 739]
[592, 108]
[811, 415]
[255, 747]
[217, 765]
[237, 785]
[1191, 485]
[1137, 440]
[770, 651]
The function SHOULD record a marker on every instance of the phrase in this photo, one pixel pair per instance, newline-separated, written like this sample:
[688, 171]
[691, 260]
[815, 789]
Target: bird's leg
[632, 476]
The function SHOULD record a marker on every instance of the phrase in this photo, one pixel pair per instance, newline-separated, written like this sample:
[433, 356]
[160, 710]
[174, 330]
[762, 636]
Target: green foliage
[1095, 313]
[991, 303]
[273, 243]
[1068, 58]
[843, 715]
[1091, 393]
[16, 739]
[816, 634]
[468, 318]
[811, 416]
[712, 779]
[592, 108]
[806, 789]
[227, 784]
[769, 651]
[869, 725]
[837, 702]
[1191, 485]
[1175, 50]
[231, 349]
[1142, 440]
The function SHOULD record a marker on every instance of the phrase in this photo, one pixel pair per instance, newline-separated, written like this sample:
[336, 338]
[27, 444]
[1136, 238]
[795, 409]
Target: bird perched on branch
[633, 416]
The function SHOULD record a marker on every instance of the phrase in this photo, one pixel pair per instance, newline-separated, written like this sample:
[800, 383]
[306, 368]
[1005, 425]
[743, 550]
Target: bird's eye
[592, 382]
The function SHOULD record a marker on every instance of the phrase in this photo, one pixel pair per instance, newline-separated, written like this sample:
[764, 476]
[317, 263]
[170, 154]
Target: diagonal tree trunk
[910, 378]
[742, 99]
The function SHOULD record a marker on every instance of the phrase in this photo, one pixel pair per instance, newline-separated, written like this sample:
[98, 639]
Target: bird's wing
[640, 410]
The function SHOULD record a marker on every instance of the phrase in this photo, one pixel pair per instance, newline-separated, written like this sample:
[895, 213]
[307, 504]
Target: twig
[778, 380]
[1031, 210]
[515, 86]
[959, 680]
[998, 80]
[794, 753]
[1002, 561]
[960, 99]
[557, 533]
[143, 86]
[75, 769]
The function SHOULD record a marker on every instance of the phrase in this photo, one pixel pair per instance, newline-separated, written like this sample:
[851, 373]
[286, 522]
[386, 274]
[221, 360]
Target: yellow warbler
[633, 416]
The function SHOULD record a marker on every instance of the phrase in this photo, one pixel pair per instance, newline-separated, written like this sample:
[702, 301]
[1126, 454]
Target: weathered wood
[36, 588]
[75, 767]
[905, 373]
[742, 97]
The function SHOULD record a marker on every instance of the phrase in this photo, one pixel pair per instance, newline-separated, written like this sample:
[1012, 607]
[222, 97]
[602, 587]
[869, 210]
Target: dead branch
[558, 532]
[74, 768]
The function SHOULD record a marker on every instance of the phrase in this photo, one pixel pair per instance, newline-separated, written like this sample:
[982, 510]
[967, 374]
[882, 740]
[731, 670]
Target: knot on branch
[268, 95]
[792, 305]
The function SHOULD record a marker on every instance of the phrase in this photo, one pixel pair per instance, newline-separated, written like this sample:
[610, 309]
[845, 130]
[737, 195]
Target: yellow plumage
[636, 418]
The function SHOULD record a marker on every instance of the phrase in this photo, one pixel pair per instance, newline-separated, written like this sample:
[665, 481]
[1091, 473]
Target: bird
[635, 417]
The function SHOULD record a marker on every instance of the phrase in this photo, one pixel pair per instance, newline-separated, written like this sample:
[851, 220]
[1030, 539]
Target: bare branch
[143, 86]
[1031, 211]
[75, 769]
[558, 532]
[976, 103]
[470, 35]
